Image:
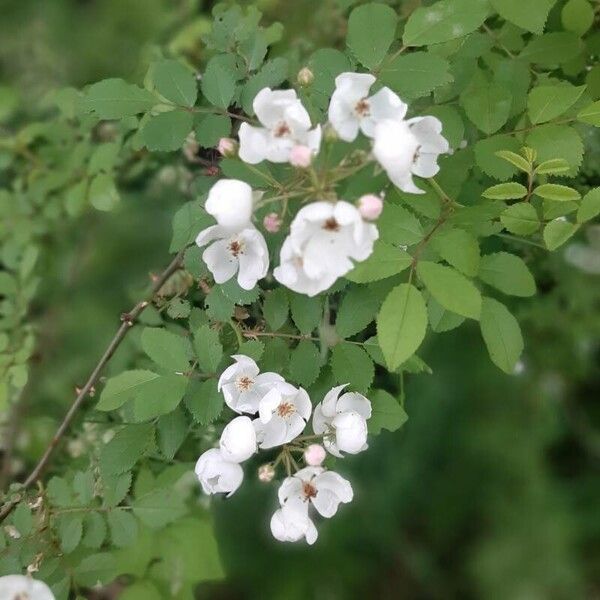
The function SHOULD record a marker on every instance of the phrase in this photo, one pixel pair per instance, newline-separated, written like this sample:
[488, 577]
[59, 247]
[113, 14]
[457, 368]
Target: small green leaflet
[357, 309]
[209, 350]
[304, 364]
[459, 248]
[530, 14]
[276, 308]
[115, 99]
[387, 412]
[124, 450]
[203, 400]
[487, 105]
[166, 349]
[558, 231]
[590, 206]
[547, 102]
[175, 82]
[556, 192]
[520, 218]
[507, 273]
[123, 387]
[385, 261]
[218, 85]
[590, 114]
[351, 364]
[167, 131]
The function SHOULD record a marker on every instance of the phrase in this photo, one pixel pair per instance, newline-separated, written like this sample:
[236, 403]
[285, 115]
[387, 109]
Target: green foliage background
[490, 491]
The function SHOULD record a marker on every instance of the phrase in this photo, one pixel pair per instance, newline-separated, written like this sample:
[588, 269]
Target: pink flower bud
[370, 206]
[300, 156]
[314, 455]
[227, 147]
[266, 473]
[272, 222]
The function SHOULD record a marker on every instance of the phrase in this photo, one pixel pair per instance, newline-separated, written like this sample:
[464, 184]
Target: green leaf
[175, 82]
[159, 507]
[451, 289]
[505, 191]
[501, 334]
[387, 413]
[351, 364]
[415, 75]
[59, 492]
[83, 486]
[551, 49]
[159, 397]
[590, 206]
[554, 166]
[385, 261]
[22, 519]
[94, 528]
[399, 226]
[557, 232]
[102, 193]
[218, 85]
[204, 401]
[325, 64]
[577, 16]
[458, 248]
[304, 366]
[172, 430]
[306, 312]
[401, 324]
[557, 141]
[96, 568]
[371, 31]
[166, 349]
[273, 73]
[218, 306]
[520, 218]
[441, 319]
[515, 159]
[115, 488]
[530, 15]
[556, 192]
[209, 350]
[443, 21]
[507, 273]
[546, 102]
[590, 114]
[188, 221]
[115, 99]
[491, 156]
[123, 387]
[167, 131]
[252, 348]
[123, 527]
[357, 309]
[211, 128]
[276, 307]
[276, 356]
[125, 449]
[487, 105]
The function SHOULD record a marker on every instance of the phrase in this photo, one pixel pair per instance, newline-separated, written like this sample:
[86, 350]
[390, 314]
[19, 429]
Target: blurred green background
[491, 490]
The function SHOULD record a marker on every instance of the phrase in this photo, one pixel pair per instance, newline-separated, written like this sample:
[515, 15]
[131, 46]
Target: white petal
[291, 523]
[238, 440]
[319, 421]
[428, 131]
[291, 487]
[303, 404]
[220, 262]
[332, 489]
[330, 401]
[253, 142]
[425, 165]
[254, 261]
[353, 401]
[270, 106]
[355, 86]
[385, 104]
[217, 475]
[268, 404]
[272, 433]
[214, 232]
[350, 432]
[16, 587]
[230, 203]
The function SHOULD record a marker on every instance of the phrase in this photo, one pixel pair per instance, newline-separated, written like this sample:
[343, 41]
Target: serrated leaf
[115, 99]
[502, 334]
[515, 159]
[306, 312]
[530, 15]
[554, 48]
[276, 308]
[490, 157]
[487, 105]
[209, 350]
[507, 273]
[505, 191]
[371, 31]
[458, 248]
[218, 85]
[304, 366]
[159, 397]
[590, 206]
[546, 102]
[557, 141]
[167, 131]
[166, 349]
[401, 324]
[451, 289]
[125, 449]
[398, 226]
[590, 114]
[387, 412]
[520, 218]
[443, 21]
[558, 231]
[204, 401]
[94, 528]
[96, 568]
[69, 529]
[252, 348]
[211, 128]
[272, 73]
[175, 82]
[188, 221]
[442, 319]
[385, 261]
[159, 507]
[123, 387]
[556, 192]
[123, 527]
[357, 309]
[577, 16]
[351, 364]
[172, 429]
[553, 166]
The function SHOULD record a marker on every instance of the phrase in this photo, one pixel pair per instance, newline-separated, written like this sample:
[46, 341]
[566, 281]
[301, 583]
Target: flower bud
[266, 473]
[370, 206]
[305, 76]
[272, 222]
[227, 147]
[300, 156]
[314, 455]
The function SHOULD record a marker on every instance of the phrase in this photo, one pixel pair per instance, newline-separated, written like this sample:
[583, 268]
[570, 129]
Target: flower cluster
[280, 413]
[326, 237]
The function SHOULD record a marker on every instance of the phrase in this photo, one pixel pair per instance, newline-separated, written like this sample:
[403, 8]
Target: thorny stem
[127, 322]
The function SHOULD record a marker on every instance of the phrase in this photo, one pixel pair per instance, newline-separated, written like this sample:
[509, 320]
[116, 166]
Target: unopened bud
[227, 147]
[272, 222]
[314, 455]
[266, 473]
[305, 76]
[300, 156]
[370, 206]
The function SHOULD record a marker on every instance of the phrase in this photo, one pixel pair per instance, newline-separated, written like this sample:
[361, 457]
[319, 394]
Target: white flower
[285, 125]
[22, 587]
[343, 420]
[283, 413]
[238, 440]
[324, 239]
[243, 252]
[325, 490]
[291, 523]
[243, 385]
[217, 475]
[407, 148]
[351, 107]
[230, 203]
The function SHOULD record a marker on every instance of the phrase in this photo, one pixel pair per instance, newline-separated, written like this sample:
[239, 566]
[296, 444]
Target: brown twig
[127, 321]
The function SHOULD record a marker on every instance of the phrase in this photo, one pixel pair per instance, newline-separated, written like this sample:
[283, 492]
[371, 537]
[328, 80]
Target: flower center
[331, 225]
[362, 108]
[244, 383]
[282, 129]
[285, 409]
[22, 596]
[309, 490]
[236, 248]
